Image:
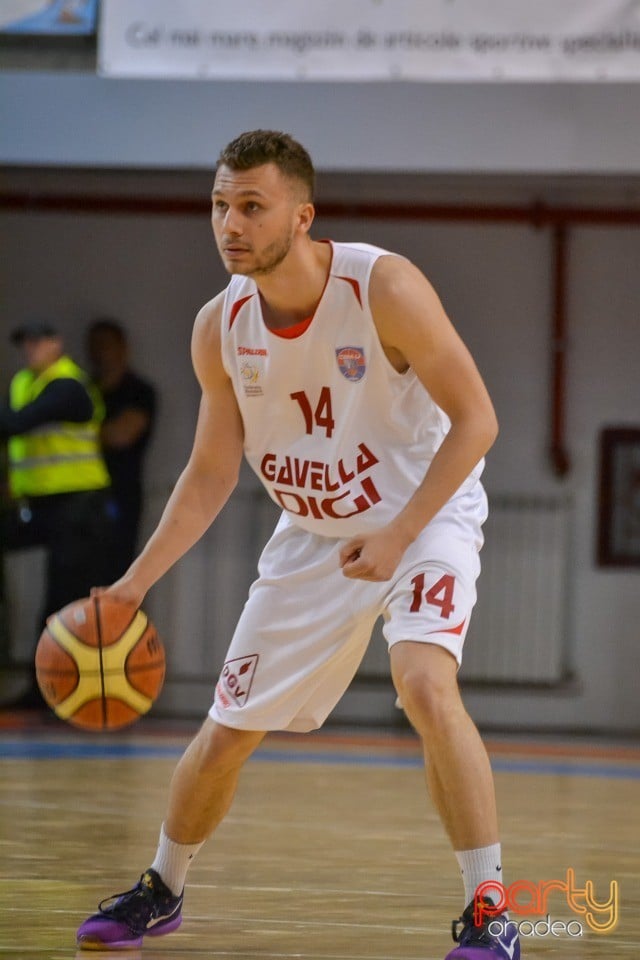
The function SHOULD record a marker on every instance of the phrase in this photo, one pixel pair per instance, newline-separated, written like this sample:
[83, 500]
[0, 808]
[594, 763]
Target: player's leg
[427, 616]
[295, 649]
[458, 769]
[204, 783]
[459, 777]
[460, 783]
[201, 791]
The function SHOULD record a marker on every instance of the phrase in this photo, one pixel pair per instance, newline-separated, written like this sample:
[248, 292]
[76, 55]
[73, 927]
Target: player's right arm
[211, 472]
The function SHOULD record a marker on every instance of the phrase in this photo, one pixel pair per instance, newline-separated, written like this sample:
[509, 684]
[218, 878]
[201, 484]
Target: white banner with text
[360, 40]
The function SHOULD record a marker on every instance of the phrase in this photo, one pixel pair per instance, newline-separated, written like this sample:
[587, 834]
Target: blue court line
[50, 750]
[568, 769]
[23, 749]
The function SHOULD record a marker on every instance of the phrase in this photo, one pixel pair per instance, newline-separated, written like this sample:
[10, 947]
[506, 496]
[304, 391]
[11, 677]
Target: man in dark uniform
[130, 408]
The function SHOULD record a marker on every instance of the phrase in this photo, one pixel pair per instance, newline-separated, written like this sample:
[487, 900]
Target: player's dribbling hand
[372, 556]
[123, 590]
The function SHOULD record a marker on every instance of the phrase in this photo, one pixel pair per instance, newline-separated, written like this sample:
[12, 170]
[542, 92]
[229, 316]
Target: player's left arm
[416, 332]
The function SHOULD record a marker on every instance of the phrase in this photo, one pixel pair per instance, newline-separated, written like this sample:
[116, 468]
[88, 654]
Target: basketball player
[334, 369]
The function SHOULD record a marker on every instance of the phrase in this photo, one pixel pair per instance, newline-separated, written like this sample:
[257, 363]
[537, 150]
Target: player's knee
[431, 703]
[222, 748]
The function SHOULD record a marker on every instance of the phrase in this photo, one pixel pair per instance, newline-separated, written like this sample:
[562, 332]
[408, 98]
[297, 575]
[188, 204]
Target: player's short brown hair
[257, 147]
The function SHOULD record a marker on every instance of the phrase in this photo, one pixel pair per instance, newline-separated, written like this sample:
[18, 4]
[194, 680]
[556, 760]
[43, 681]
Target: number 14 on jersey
[320, 417]
[439, 595]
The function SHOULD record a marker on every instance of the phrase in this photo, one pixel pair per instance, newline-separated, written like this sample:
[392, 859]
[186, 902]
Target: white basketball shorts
[305, 626]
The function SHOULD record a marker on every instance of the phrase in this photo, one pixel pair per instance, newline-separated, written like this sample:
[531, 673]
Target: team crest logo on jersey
[351, 363]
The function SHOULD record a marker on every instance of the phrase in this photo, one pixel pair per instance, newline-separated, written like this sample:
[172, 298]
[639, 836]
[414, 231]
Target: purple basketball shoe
[496, 939]
[148, 910]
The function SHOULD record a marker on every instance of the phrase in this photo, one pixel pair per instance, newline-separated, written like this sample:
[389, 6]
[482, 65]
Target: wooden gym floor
[331, 851]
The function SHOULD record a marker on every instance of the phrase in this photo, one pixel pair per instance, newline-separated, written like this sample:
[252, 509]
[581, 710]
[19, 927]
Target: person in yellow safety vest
[58, 482]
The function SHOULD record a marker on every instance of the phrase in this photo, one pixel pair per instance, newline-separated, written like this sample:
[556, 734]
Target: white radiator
[518, 632]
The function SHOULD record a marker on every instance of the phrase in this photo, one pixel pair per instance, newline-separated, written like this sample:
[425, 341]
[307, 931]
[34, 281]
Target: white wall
[78, 119]
[153, 272]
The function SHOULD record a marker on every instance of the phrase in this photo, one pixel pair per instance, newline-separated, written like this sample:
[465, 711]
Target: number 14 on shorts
[439, 595]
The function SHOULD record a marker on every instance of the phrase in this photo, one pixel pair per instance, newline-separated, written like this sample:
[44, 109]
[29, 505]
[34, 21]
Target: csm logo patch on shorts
[236, 679]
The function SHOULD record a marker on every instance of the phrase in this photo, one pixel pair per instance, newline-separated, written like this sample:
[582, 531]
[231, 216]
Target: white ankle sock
[173, 861]
[480, 866]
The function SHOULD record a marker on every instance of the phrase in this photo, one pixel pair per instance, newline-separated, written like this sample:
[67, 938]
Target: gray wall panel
[83, 120]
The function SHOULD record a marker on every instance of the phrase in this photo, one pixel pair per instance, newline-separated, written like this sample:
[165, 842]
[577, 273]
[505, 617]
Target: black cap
[33, 331]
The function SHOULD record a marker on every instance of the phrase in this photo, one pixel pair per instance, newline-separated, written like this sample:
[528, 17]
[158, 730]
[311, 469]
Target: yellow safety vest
[59, 457]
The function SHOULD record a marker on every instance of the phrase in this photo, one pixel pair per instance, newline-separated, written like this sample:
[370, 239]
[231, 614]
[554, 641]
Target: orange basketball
[100, 663]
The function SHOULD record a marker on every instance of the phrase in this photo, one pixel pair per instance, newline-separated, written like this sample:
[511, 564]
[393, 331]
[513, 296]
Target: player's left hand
[373, 556]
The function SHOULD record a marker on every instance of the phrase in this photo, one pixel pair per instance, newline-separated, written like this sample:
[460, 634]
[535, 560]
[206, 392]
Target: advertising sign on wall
[360, 40]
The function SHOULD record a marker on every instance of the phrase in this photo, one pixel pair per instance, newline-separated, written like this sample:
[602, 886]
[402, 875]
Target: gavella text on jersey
[345, 485]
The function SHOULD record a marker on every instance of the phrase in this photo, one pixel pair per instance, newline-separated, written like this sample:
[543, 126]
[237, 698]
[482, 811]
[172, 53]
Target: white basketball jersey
[338, 437]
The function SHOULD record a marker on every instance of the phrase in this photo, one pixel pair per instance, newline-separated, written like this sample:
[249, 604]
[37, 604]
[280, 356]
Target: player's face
[256, 215]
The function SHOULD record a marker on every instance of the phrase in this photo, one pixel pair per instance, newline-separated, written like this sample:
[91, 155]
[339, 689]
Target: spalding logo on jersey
[351, 362]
